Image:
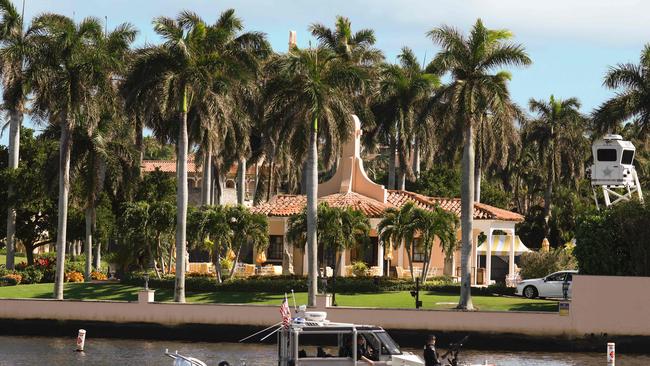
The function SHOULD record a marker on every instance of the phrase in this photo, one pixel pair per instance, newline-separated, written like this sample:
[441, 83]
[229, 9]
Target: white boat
[314, 340]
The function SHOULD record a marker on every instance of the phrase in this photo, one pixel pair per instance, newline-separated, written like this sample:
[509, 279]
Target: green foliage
[154, 150]
[614, 241]
[440, 181]
[540, 264]
[494, 195]
[157, 186]
[360, 269]
[31, 274]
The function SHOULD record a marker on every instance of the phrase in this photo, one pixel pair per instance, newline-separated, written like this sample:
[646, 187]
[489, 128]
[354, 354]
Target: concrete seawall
[603, 308]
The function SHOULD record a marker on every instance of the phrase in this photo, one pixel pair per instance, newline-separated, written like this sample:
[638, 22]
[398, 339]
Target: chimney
[292, 39]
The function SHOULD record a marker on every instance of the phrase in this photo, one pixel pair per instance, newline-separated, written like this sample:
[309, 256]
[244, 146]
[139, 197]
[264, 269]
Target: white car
[549, 286]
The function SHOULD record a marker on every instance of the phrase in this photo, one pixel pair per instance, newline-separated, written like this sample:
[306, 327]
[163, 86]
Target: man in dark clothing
[430, 353]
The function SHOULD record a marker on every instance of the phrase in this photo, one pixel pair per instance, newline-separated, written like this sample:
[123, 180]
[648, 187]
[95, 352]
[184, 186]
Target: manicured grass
[397, 299]
[19, 258]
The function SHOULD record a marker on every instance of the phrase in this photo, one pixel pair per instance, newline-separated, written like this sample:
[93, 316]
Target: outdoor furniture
[375, 271]
[328, 272]
[270, 270]
[244, 270]
[200, 267]
[348, 271]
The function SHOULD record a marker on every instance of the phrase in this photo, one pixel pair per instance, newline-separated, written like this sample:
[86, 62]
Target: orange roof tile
[481, 210]
[167, 166]
[287, 205]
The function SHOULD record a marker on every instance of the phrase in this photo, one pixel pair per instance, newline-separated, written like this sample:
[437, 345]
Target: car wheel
[530, 292]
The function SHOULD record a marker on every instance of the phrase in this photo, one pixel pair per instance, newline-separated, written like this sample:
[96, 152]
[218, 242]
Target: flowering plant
[74, 276]
[11, 279]
[98, 276]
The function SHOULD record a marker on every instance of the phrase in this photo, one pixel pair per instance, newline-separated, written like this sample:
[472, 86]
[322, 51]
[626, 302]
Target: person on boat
[363, 354]
[430, 352]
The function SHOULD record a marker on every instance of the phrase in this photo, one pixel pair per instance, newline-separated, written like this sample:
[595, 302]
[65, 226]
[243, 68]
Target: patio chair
[375, 271]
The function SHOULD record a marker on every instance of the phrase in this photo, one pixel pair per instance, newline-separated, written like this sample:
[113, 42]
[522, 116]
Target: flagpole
[295, 307]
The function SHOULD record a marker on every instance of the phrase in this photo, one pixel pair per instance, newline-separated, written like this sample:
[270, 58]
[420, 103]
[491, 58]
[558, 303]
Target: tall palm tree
[558, 136]
[402, 89]
[69, 72]
[311, 96]
[632, 102]
[475, 89]
[194, 60]
[15, 51]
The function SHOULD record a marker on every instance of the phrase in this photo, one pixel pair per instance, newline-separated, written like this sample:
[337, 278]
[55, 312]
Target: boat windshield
[388, 344]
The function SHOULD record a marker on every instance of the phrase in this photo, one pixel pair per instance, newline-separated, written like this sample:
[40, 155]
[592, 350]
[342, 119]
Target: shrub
[98, 276]
[31, 274]
[74, 276]
[11, 279]
[226, 264]
[20, 266]
[359, 269]
[614, 242]
[540, 264]
[75, 266]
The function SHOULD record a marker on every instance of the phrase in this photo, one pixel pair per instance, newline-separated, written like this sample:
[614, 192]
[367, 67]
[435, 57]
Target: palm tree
[632, 102]
[402, 89]
[355, 48]
[355, 228]
[310, 96]
[14, 57]
[247, 228]
[398, 226]
[558, 135]
[474, 91]
[194, 60]
[430, 225]
[99, 142]
[68, 73]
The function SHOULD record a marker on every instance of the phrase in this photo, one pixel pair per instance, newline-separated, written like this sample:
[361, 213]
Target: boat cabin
[317, 341]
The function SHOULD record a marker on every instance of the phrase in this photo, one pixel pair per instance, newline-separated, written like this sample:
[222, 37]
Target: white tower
[613, 170]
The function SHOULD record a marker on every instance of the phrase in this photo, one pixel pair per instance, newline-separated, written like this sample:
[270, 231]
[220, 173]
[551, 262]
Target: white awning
[501, 245]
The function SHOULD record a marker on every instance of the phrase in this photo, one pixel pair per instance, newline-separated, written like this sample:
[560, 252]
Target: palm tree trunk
[467, 220]
[171, 256]
[207, 176]
[401, 179]
[548, 196]
[217, 266]
[257, 182]
[181, 204]
[241, 181]
[234, 264]
[312, 217]
[416, 158]
[98, 256]
[139, 142]
[64, 189]
[16, 120]
[409, 251]
[477, 181]
[392, 156]
[270, 181]
[90, 213]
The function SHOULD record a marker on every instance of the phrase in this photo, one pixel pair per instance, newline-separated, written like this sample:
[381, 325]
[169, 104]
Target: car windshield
[387, 344]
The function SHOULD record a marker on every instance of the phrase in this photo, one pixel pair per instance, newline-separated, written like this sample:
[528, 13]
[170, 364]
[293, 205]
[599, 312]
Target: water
[59, 352]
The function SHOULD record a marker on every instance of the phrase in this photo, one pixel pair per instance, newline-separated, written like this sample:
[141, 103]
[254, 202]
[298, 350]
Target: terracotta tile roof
[287, 205]
[481, 210]
[167, 166]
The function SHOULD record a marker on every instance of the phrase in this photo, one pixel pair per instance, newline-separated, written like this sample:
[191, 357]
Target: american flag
[285, 312]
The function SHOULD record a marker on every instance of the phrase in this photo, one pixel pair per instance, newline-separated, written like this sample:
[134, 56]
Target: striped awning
[501, 245]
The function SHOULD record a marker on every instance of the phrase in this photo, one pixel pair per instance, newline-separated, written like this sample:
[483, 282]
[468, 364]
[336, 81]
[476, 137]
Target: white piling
[611, 354]
[81, 340]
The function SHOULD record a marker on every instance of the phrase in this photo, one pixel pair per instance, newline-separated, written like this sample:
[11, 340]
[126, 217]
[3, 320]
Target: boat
[311, 339]
[181, 360]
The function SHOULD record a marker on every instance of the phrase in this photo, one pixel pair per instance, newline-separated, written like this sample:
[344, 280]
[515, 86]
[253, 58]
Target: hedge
[281, 284]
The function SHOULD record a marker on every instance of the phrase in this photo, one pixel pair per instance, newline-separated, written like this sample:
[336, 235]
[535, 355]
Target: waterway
[41, 351]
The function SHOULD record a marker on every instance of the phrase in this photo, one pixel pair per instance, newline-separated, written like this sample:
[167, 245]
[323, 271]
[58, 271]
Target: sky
[572, 42]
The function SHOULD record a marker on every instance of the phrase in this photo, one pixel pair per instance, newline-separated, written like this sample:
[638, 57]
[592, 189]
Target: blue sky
[572, 42]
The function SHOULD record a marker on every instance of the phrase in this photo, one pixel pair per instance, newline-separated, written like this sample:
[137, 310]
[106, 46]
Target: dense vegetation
[218, 93]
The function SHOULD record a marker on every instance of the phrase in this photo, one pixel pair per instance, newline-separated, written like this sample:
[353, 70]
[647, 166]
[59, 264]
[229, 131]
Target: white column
[488, 259]
[474, 260]
[380, 256]
[511, 260]
[304, 260]
[341, 269]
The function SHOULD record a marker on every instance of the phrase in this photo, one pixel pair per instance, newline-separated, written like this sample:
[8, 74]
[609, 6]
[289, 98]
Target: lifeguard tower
[613, 170]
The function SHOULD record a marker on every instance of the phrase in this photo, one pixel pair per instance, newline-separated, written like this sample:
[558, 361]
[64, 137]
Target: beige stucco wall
[612, 305]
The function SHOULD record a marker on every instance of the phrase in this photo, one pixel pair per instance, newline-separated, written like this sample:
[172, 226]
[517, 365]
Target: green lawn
[399, 299]
[19, 258]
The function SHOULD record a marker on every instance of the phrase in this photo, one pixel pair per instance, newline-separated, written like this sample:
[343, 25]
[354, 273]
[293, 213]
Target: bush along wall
[282, 284]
